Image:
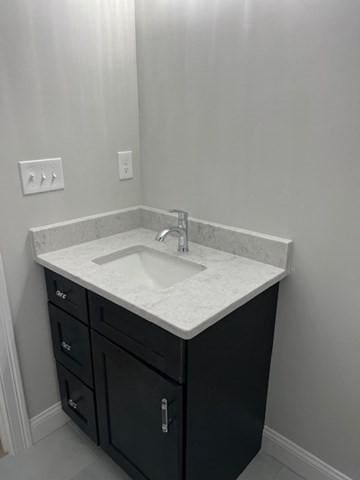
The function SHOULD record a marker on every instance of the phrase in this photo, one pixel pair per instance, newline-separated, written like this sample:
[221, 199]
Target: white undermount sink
[145, 266]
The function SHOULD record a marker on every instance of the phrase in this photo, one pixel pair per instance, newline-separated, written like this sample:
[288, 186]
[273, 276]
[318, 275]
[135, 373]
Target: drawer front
[71, 341]
[78, 402]
[145, 340]
[67, 295]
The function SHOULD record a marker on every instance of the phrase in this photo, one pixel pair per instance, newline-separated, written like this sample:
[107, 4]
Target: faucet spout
[161, 236]
[181, 231]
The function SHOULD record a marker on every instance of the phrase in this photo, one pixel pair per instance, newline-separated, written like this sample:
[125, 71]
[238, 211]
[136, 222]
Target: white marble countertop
[184, 309]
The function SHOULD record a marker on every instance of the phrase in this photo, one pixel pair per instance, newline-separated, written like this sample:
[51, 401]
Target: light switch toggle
[39, 176]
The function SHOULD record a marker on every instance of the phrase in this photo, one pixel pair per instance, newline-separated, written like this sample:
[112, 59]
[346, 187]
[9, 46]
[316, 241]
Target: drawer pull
[72, 404]
[61, 294]
[66, 346]
[164, 416]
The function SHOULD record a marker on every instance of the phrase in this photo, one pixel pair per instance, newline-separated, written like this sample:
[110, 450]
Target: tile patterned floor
[68, 455]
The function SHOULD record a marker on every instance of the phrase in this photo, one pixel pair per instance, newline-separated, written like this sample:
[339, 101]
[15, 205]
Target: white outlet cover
[38, 176]
[125, 165]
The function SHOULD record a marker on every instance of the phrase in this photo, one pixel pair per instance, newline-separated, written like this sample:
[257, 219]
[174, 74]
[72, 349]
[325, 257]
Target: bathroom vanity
[170, 381]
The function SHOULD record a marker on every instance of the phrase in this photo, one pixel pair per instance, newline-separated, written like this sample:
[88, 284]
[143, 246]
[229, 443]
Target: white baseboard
[47, 422]
[297, 459]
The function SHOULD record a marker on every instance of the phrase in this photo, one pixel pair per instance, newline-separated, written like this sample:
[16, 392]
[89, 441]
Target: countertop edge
[182, 333]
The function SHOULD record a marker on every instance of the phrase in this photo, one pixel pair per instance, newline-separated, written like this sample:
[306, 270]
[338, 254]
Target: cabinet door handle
[66, 346]
[72, 404]
[164, 416]
[61, 294]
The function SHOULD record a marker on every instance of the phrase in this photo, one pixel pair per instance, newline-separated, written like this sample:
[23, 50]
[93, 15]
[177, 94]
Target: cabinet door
[139, 413]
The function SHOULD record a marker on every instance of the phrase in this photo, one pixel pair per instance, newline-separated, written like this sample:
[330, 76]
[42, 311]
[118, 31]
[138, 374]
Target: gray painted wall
[68, 88]
[250, 116]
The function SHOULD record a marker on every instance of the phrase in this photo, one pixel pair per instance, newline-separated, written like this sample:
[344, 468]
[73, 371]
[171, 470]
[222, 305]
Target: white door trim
[14, 419]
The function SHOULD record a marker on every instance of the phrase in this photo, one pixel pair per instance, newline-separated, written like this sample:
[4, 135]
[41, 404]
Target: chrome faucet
[182, 230]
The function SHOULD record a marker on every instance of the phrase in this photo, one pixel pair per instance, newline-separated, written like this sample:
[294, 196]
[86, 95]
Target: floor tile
[287, 474]
[263, 467]
[102, 469]
[68, 454]
[59, 456]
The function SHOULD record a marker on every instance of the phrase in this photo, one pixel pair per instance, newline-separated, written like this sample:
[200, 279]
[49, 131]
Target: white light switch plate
[39, 176]
[125, 165]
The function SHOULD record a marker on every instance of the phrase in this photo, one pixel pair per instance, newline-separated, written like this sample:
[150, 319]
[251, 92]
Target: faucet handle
[183, 215]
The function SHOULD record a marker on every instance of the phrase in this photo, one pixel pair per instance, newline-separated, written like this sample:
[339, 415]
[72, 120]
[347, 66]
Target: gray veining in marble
[264, 248]
[65, 234]
[185, 309]
[239, 265]
[256, 246]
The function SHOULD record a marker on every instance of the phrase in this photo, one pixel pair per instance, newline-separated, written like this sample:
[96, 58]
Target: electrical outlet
[125, 165]
[38, 176]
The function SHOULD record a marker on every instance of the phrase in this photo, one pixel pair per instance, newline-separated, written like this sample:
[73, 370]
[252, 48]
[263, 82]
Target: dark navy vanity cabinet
[162, 407]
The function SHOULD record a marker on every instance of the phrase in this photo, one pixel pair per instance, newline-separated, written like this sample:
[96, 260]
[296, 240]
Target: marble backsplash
[256, 246]
[269, 249]
[66, 234]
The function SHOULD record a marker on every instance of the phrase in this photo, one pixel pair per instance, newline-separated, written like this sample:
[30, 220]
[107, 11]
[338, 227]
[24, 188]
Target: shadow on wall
[2, 451]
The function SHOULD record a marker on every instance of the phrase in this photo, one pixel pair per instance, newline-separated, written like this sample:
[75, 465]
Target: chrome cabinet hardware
[66, 346]
[72, 404]
[61, 294]
[164, 416]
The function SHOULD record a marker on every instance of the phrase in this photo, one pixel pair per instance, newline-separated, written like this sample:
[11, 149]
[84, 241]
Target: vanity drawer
[145, 340]
[67, 295]
[71, 341]
[78, 402]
